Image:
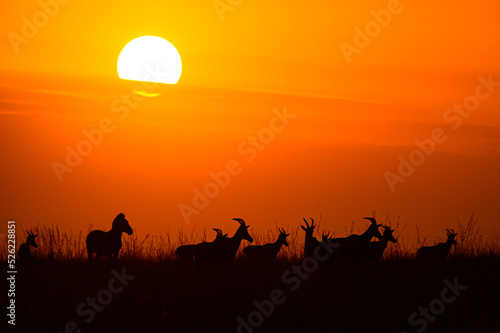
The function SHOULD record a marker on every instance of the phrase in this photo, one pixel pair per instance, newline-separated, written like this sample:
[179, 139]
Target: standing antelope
[270, 250]
[353, 246]
[108, 243]
[186, 252]
[311, 242]
[222, 249]
[439, 251]
[24, 252]
[375, 250]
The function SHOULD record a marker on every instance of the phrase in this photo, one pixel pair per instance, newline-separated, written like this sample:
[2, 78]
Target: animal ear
[303, 228]
[248, 226]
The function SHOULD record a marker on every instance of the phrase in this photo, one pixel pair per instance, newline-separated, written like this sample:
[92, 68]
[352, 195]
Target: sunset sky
[342, 120]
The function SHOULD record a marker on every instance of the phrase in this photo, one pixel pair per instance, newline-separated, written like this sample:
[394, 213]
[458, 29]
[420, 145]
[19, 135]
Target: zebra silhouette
[108, 243]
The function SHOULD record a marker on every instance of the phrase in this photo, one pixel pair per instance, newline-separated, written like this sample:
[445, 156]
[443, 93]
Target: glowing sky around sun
[357, 114]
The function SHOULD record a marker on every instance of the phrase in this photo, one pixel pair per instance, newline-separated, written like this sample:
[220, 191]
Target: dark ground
[172, 297]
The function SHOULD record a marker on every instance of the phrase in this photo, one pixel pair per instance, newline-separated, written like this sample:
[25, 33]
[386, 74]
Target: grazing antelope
[24, 252]
[439, 251]
[186, 252]
[108, 243]
[268, 251]
[222, 249]
[375, 250]
[311, 242]
[354, 246]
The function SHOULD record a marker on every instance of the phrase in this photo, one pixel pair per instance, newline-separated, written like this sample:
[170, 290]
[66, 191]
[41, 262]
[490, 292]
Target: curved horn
[312, 222]
[218, 231]
[240, 221]
[371, 219]
[307, 224]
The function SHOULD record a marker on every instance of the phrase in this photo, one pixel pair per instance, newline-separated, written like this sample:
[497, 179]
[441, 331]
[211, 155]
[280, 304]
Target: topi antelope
[439, 251]
[222, 249]
[311, 242]
[375, 250]
[353, 246]
[108, 243]
[24, 252]
[186, 252]
[268, 251]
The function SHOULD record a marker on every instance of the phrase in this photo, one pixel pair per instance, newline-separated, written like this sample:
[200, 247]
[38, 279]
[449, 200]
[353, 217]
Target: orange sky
[352, 119]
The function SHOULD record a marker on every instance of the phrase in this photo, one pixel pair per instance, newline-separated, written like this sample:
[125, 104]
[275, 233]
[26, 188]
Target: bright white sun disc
[151, 59]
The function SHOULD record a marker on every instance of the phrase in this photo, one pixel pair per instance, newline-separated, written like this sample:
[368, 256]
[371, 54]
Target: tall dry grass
[55, 244]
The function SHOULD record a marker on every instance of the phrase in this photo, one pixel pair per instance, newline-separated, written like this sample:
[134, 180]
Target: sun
[151, 59]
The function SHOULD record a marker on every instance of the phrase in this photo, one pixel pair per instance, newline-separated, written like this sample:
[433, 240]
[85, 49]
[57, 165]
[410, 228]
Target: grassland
[170, 296]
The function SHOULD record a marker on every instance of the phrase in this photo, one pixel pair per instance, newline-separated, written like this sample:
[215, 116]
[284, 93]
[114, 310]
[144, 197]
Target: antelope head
[373, 228]
[282, 237]
[309, 229]
[31, 239]
[388, 234]
[219, 233]
[243, 230]
[451, 236]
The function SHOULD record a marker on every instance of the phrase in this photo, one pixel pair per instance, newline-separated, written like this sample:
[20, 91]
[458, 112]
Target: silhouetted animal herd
[353, 249]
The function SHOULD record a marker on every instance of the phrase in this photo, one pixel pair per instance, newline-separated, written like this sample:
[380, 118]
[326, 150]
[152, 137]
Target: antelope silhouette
[186, 252]
[24, 252]
[440, 250]
[108, 243]
[311, 242]
[269, 250]
[222, 249]
[375, 250]
[354, 246]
